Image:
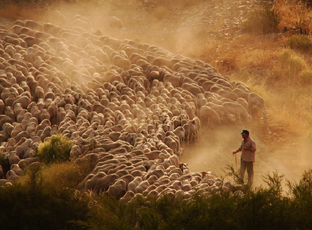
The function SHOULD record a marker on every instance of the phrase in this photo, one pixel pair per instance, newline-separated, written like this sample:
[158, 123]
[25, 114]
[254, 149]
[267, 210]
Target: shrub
[67, 174]
[302, 201]
[291, 64]
[4, 162]
[262, 20]
[295, 16]
[303, 189]
[36, 204]
[55, 150]
[301, 42]
[295, 64]
[39, 204]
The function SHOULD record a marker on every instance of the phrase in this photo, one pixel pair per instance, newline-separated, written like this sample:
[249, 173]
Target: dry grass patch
[258, 58]
[290, 70]
[291, 108]
[64, 175]
[300, 42]
[247, 52]
[295, 16]
[262, 20]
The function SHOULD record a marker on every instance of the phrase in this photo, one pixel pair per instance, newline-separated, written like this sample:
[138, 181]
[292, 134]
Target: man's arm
[252, 147]
[238, 150]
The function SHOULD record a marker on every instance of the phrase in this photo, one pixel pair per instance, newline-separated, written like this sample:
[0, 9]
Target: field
[265, 44]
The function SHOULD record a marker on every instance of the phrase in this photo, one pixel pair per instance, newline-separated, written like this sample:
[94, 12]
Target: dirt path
[213, 152]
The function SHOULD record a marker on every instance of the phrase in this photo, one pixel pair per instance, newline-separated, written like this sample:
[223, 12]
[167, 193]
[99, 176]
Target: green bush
[261, 208]
[55, 150]
[301, 204]
[35, 204]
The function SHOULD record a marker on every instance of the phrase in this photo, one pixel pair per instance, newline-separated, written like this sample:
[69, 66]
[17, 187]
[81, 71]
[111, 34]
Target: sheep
[256, 104]
[238, 110]
[127, 104]
[209, 117]
[116, 24]
[225, 115]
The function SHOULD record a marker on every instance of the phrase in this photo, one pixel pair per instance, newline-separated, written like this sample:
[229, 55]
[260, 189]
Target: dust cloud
[182, 32]
[185, 31]
[177, 29]
[213, 152]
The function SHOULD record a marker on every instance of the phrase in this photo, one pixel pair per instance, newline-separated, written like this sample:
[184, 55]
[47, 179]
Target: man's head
[245, 133]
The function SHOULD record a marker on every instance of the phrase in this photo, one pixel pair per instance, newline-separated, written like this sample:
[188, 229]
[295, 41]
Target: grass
[48, 193]
[38, 203]
[69, 175]
[300, 42]
[275, 62]
[262, 20]
[295, 16]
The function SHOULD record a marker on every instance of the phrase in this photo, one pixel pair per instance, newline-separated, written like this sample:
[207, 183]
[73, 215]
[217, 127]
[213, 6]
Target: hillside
[212, 31]
[119, 114]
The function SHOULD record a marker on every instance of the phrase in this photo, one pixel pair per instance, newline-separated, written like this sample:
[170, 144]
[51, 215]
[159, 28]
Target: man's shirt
[248, 155]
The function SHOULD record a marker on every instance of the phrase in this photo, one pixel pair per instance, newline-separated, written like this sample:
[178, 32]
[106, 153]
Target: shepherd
[248, 148]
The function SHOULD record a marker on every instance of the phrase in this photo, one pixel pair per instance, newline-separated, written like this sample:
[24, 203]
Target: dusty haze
[185, 31]
[214, 152]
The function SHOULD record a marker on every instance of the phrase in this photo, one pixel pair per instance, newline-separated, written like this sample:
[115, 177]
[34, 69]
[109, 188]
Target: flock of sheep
[135, 103]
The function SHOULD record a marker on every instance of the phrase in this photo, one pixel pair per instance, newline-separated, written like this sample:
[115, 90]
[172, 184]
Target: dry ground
[210, 31]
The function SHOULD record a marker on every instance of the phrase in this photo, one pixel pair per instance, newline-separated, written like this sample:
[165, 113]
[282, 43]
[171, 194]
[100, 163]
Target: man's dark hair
[245, 132]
